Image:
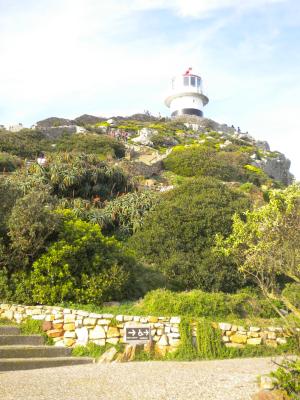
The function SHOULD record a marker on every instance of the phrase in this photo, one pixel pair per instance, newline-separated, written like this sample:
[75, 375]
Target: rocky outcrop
[276, 166]
[144, 136]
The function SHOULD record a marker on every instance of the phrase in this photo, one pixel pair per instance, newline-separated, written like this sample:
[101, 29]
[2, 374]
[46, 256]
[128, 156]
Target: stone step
[15, 364]
[9, 330]
[33, 351]
[31, 340]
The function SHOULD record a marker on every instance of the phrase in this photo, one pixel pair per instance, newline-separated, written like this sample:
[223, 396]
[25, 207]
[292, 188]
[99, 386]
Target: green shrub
[9, 162]
[209, 341]
[124, 215]
[83, 266]
[292, 293]
[288, 377]
[210, 305]
[91, 144]
[204, 160]
[5, 290]
[186, 349]
[79, 175]
[177, 238]
[26, 143]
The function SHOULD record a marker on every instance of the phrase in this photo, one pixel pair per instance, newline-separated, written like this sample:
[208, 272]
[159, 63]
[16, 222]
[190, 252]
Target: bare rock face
[277, 167]
[263, 145]
[145, 136]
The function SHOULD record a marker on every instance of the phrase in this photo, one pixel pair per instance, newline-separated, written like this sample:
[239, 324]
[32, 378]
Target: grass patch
[34, 327]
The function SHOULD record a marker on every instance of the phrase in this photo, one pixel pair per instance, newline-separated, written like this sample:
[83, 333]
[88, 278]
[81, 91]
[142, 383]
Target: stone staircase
[18, 352]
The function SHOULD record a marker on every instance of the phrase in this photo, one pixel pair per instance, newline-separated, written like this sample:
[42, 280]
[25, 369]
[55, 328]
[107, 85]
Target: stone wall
[238, 336]
[76, 327]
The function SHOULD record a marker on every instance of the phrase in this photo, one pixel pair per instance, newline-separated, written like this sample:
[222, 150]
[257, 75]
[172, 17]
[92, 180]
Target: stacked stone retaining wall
[70, 327]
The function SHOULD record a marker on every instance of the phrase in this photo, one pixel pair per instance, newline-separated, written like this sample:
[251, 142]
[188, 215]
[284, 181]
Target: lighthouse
[186, 97]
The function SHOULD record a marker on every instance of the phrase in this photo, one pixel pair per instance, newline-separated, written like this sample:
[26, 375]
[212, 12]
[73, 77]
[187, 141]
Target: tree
[177, 237]
[267, 246]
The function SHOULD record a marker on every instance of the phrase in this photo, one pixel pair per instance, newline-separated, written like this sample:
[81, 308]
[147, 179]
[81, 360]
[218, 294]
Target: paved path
[203, 380]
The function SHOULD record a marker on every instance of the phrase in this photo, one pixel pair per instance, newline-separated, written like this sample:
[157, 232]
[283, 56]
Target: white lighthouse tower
[186, 97]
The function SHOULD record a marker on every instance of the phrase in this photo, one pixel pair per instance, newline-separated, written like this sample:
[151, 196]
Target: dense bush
[205, 160]
[83, 266]
[26, 143]
[91, 144]
[80, 175]
[177, 238]
[292, 293]
[9, 162]
[288, 378]
[124, 215]
[202, 304]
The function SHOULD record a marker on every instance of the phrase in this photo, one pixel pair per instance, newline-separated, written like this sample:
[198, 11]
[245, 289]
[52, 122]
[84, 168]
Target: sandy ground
[202, 380]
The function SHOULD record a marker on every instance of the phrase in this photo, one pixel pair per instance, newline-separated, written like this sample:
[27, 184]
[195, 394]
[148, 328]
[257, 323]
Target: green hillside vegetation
[80, 229]
[204, 160]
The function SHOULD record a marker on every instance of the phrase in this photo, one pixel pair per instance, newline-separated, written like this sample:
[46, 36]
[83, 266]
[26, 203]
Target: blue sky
[69, 57]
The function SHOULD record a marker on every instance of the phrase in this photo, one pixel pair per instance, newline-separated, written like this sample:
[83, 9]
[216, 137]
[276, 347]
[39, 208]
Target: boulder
[239, 339]
[69, 342]
[163, 341]
[144, 136]
[97, 333]
[113, 332]
[69, 326]
[224, 326]
[46, 326]
[82, 336]
[53, 333]
[89, 321]
[108, 356]
[254, 341]
[270, 395]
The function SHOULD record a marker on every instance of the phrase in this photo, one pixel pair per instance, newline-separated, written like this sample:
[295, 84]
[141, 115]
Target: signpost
[137, 334]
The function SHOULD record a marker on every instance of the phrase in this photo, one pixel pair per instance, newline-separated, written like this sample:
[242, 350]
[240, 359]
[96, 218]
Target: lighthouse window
[186, 81]
[193, 81]
[198, 82]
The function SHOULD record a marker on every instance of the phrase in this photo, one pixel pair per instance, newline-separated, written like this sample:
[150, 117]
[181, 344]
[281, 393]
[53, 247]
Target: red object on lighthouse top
[187, 72]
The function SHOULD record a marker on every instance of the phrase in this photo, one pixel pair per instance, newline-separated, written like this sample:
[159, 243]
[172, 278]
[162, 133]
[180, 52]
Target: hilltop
[148, 139]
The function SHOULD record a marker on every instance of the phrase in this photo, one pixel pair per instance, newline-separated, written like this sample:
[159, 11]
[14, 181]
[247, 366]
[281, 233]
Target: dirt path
[203, 380]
